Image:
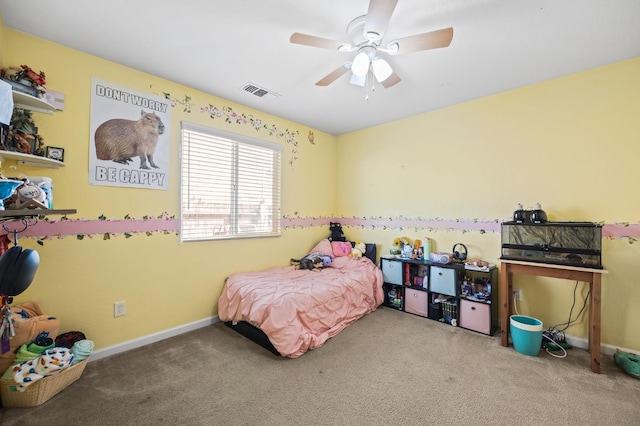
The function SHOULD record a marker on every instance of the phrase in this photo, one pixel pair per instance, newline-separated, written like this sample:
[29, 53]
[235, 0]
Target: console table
[590, 275]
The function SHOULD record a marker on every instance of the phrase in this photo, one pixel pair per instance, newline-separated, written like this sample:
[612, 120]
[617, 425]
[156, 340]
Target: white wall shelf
[24, 101]
[30, 160]
[18, 214]
[32, 103]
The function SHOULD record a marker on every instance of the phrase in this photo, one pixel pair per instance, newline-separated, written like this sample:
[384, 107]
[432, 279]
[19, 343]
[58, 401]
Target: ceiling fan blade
[325, 43]
[431, 40]
[333, 75]
[378, 17]
[392, 80]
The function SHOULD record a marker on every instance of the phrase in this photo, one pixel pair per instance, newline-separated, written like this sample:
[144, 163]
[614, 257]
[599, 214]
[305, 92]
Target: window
[230, 185]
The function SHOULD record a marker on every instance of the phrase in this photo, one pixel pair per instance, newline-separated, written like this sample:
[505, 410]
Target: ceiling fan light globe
[381, 69]
[360, 65]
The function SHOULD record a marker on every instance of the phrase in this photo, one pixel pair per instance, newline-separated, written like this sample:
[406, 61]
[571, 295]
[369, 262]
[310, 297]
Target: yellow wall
[164, 283]
[571, 144]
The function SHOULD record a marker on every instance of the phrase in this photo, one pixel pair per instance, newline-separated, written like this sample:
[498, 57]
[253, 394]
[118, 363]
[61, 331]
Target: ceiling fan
[365, 35]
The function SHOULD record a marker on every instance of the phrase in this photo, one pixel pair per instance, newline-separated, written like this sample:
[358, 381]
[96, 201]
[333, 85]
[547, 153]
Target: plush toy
[307, 263]
[336, 232]
[312, 261]
[416, 252]
[358, 250]
[326, 260]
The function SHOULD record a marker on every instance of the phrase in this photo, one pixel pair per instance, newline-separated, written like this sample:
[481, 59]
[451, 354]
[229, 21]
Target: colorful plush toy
[312, 261]
[358, 250]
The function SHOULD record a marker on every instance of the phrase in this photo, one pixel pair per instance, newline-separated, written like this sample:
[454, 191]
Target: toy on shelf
[31, 196]
[416, 252]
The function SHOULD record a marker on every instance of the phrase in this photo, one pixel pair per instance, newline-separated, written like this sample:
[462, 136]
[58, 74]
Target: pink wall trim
[421, 224]
[88, 227]
[61, 228]
[620, 230]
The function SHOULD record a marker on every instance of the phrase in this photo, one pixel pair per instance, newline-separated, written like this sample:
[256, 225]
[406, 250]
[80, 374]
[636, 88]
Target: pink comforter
[300, 309]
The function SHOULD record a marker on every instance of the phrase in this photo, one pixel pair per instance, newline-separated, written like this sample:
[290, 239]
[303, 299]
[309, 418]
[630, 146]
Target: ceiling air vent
[257, 90]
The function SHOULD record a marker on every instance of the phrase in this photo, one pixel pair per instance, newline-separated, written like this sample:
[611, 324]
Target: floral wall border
[47, 228]
[615, 230]
[231, 117]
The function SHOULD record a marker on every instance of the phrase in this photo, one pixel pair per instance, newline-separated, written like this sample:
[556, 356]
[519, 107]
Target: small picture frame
[55, 153]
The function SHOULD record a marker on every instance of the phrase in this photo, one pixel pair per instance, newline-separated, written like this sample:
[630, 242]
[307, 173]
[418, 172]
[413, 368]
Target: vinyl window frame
[230, 185]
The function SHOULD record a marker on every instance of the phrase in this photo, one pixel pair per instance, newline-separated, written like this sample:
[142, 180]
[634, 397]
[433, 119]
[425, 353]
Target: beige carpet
[387, 368]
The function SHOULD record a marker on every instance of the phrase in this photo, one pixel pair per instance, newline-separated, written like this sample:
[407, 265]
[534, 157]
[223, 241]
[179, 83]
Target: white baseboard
[578, 342]
[581, 343]
[152, 338]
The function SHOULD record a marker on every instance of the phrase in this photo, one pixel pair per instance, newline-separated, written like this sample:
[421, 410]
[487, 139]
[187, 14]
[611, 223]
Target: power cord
[553, 334]
[557, 345]
[571, 321]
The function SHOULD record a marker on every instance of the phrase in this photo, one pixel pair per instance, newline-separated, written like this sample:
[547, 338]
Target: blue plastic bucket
[526, 334]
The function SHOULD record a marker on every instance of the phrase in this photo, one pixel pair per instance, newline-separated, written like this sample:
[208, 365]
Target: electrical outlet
[517, 293]
[119, 309]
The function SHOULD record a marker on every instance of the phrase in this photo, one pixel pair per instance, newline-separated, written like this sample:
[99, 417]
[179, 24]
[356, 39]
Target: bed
[290, 311]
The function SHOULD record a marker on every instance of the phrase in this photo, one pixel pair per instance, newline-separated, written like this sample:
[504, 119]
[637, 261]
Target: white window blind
[230, 185]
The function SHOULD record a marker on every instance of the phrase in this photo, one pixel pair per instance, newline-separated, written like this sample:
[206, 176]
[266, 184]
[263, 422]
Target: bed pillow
[323, 247]
[341, 248]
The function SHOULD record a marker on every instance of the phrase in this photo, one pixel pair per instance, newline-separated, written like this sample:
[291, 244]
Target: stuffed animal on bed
[312, 261]
[307, 263]
[358, 249]
[335, 229]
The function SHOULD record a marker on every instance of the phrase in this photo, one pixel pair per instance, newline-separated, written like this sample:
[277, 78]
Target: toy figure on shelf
[466, 289]
[416, 252]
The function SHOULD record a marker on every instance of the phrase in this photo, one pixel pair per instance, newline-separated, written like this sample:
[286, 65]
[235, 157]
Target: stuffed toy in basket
[29, 320]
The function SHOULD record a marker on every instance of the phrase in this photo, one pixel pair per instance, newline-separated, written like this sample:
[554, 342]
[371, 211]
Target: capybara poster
[129, 137]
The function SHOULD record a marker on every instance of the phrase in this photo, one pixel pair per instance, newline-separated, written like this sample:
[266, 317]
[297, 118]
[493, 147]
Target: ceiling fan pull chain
[366, 87]
[373, 81]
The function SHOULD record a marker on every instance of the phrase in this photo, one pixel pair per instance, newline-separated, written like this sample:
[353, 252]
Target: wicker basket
[40, 391]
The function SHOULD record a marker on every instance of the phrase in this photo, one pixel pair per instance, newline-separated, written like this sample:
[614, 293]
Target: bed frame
[258, 336]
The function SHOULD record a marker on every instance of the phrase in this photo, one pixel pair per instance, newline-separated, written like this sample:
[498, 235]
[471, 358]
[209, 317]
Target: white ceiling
[218, 46]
